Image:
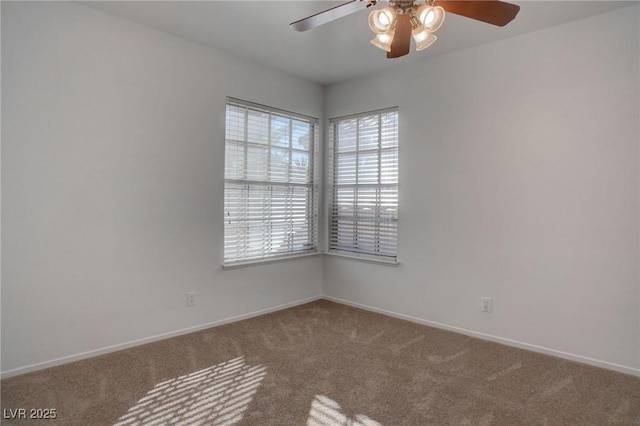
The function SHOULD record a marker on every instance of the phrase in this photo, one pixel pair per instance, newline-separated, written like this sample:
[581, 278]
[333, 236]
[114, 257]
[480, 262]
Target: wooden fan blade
[401, 43]
[330, 14]
[490, 11]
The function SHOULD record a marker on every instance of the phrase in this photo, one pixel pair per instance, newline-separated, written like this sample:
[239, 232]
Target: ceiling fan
[395, 24]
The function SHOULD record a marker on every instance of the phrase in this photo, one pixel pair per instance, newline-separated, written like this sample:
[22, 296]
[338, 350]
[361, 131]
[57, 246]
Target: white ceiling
[259, 31]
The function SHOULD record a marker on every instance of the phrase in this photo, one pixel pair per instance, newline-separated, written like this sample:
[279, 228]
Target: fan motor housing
[402, 6]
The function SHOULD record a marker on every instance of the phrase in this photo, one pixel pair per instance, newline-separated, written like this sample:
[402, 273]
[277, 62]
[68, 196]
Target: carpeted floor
[324, 364]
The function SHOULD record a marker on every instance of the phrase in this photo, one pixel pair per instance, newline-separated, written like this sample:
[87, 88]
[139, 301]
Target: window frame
[333, 233]
[311, 183]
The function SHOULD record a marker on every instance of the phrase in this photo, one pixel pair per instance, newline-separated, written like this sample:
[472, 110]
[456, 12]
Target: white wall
[112, 183]
[519, 180]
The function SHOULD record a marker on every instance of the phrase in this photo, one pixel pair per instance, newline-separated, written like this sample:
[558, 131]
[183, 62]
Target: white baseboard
[483, 336]
[508, 342]
[138, 342]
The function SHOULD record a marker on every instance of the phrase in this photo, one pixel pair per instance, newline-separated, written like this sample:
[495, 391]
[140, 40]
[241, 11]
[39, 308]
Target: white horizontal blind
[363, 213]
[270, 190]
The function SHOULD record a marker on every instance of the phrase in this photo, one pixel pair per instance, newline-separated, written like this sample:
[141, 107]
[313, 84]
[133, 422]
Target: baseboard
[138, 342]
[514, 343]
[483, 336]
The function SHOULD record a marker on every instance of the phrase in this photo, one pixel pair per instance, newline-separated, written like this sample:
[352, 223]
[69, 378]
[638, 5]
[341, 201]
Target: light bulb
[383, 41]
[381, 21]
[431, 17]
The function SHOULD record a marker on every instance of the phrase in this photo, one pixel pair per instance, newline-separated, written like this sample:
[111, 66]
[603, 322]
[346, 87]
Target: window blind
[363, 209]
[270, 192]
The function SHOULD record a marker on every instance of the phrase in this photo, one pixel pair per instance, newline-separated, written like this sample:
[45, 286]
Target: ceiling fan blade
[330, 14]
[490, 11]
[401, 43]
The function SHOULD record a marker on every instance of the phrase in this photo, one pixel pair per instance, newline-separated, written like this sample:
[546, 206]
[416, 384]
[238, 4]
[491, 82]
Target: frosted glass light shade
[383, 41]
[423, 38]
[431, 17]
[381, 21]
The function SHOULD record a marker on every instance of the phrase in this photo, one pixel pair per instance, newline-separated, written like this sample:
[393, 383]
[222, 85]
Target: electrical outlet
[486, 304]
[191, 298]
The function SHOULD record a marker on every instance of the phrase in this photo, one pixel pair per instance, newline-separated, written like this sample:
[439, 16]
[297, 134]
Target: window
[363, 215]
[270, 188]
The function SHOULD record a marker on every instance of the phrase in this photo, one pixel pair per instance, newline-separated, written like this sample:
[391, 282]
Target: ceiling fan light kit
[424, 20]
[395, 25]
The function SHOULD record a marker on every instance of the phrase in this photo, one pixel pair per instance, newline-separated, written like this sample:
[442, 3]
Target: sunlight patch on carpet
[326, 412]
[217, 395]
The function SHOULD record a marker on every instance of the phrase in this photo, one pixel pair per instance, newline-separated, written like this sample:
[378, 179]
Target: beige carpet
[325, 364]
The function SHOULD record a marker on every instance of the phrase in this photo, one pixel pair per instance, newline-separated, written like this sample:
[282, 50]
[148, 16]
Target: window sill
[363, 258]
[268, 260]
